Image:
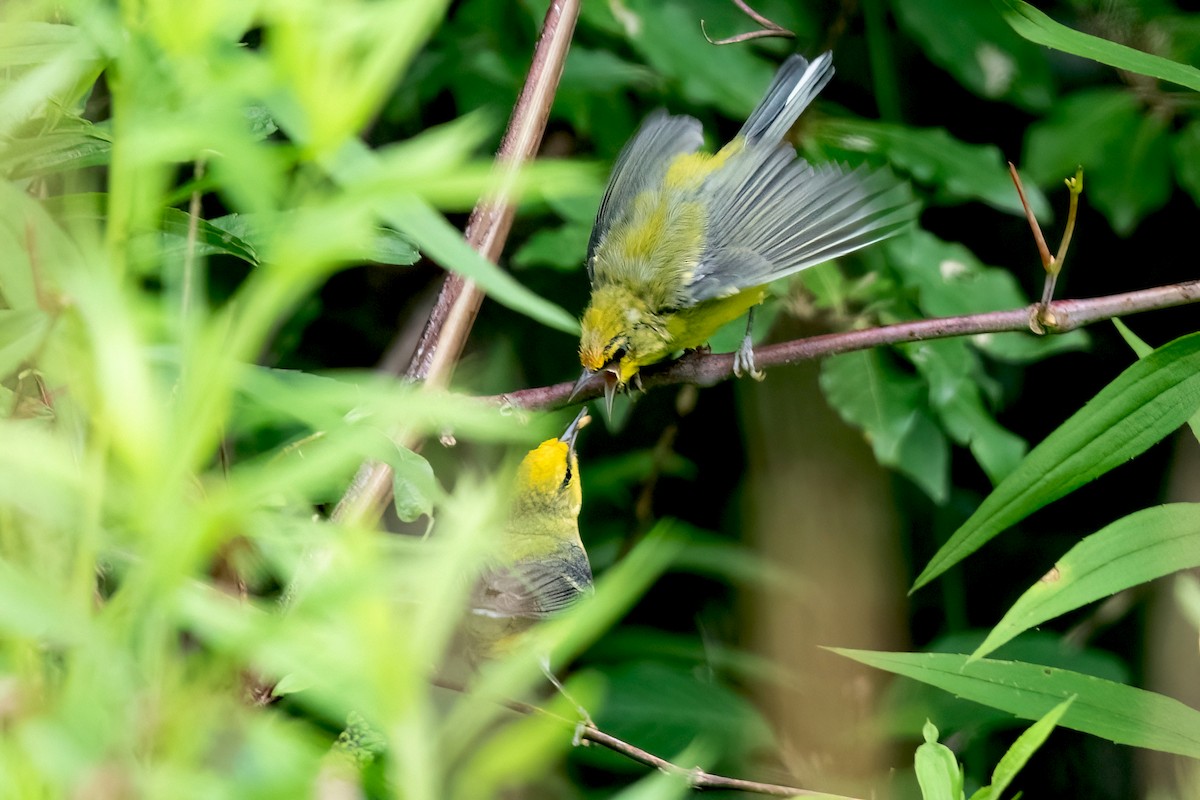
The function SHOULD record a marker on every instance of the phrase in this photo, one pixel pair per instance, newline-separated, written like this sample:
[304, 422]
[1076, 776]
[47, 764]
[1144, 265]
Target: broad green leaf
[1129, 188]
[1041, 29]
[954, 372]
[1186, 153]
[937, 768]
[1085, 129]
[1145, 403]
[414, 486]
[1124, 152]
[1017, 756]
[562, 248]
[1122, 714]
[975, 46]
[871, 393]
[730, 78]
[951, 281]
[1145, 545]
[955, 170]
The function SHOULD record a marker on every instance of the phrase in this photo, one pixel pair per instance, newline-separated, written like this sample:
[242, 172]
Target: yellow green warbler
[542, 567]
[685, 241]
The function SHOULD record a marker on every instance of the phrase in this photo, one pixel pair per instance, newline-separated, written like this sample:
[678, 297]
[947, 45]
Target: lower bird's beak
[572, 431]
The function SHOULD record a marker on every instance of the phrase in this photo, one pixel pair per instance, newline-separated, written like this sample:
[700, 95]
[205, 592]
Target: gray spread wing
[533, 589]
[772, 216]
[642, 165]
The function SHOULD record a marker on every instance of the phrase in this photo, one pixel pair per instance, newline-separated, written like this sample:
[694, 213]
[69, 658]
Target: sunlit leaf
[1112, 711]
[1145, 545]
[1145, 403]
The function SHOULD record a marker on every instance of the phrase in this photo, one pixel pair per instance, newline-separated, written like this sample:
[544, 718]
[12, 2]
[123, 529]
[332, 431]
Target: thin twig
[769, 28]
[186, 300]
[706, 369]
[454, 312]
[696, 777]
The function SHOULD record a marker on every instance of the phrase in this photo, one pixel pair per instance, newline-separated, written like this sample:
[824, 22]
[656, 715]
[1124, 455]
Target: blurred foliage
[215, 217]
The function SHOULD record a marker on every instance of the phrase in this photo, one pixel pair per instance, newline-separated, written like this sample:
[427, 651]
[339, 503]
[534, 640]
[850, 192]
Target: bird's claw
[743, 361]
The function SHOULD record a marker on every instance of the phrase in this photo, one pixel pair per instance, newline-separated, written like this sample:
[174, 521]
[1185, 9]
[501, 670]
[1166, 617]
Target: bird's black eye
[617, 355]
[567, 477]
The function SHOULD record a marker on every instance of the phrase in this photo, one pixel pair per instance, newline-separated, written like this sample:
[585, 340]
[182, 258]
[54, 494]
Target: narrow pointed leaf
[1114, 711]
[1035, 26]
[1145, 403]
[1015, 758]
[1133, 550]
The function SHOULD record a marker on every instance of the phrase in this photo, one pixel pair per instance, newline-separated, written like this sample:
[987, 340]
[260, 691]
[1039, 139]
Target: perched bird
[542, 567]
[685, 241]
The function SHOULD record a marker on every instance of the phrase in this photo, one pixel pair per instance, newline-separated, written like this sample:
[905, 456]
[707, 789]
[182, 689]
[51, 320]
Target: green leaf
[1138, 183]
[74, 147]
[1142, 350]
[1186, 155]
[950, 281]
[1017, 756]
[869, 392]
[212, 237]
[414, 486]
[937, 768]
[975, 46]
[956, 171]
[1124, 152]
[21, 333]
[1145, 403]
[730, 78]
[954, 372]
[1145, 545]
[435, 236]
[1040, 29]
[1122, 714]
[562, 248]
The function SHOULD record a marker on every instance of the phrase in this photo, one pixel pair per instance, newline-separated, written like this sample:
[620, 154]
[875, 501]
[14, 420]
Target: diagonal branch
[695, 777]
[706, 369]
[458, 302]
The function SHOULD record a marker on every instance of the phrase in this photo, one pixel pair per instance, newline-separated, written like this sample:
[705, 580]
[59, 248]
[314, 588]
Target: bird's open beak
[572, 431]
[611, 378]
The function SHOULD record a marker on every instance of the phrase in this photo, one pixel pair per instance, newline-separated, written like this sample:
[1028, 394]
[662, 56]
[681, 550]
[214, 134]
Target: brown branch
[453, 314]
[696, 777]
[706, 369]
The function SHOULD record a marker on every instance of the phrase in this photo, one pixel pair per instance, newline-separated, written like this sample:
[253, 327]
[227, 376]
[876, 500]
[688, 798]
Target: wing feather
[534, 589]
[791, 215]
[642, 165]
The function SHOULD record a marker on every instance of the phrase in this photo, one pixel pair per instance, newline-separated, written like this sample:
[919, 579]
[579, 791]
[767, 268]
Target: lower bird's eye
[617, 355]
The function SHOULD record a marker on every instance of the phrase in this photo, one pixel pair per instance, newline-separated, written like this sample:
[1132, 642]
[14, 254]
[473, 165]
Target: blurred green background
[144, 458]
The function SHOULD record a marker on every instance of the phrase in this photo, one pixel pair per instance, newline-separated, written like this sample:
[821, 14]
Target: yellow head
[548, 492]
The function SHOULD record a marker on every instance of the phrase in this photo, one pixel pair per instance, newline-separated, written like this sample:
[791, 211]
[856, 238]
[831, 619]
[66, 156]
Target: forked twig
[1040, 318]
[769, 28]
